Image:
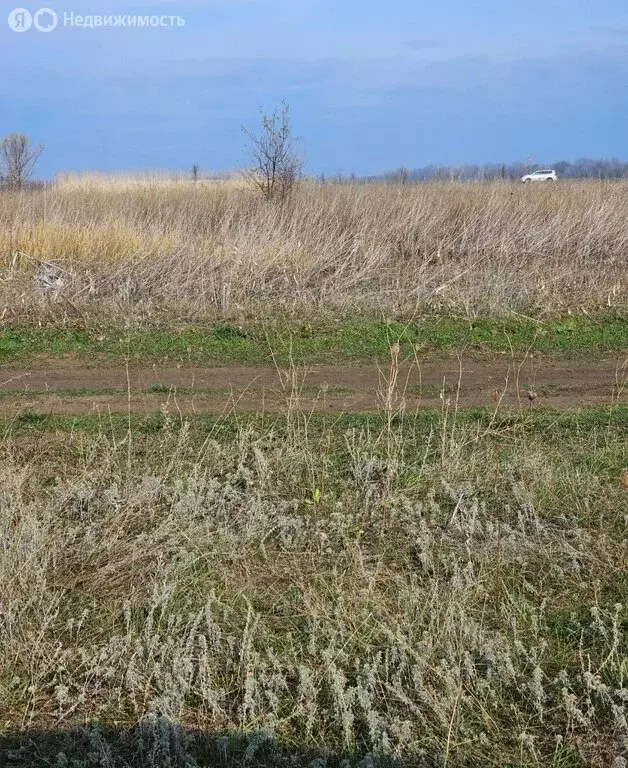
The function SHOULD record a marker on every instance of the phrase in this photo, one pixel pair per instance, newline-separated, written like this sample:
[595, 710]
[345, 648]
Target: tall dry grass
[199, 251]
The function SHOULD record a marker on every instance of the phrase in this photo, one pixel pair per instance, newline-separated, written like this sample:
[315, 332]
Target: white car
[546, 175]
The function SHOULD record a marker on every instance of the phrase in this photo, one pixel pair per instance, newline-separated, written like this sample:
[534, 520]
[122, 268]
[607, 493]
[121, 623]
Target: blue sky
[371, 85]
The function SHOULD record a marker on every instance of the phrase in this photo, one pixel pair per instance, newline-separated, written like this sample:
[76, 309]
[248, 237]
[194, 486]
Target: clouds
[369, 89]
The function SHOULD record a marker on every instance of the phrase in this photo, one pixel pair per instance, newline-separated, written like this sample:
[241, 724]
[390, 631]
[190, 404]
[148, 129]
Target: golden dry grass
[99, 180]
[216, 249]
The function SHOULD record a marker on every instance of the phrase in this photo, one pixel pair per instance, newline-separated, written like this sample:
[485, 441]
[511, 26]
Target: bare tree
[276, 164]
[18, 156]
[400, 175]
[195, 170]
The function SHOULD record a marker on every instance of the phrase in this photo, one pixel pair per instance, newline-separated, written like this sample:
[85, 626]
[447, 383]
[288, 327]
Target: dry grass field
[141, 249]
[374, 584]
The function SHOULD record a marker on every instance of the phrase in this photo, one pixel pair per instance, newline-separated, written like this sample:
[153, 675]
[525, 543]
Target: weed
[377, 589]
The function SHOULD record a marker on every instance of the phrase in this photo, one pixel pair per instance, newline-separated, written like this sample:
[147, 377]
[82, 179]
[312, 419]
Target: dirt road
[559, 383]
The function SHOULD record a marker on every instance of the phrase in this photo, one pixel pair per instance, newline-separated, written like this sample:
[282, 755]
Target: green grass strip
[357, 339]
[540, 420]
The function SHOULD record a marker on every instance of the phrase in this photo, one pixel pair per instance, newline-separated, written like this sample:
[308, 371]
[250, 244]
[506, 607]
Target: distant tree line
[584, 168]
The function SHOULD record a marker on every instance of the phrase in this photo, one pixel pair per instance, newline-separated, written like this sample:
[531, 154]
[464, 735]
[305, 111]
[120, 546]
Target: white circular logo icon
[45, 20]
[20, 20]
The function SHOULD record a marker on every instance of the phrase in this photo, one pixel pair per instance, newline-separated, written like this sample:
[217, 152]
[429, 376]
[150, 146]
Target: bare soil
[332, 388]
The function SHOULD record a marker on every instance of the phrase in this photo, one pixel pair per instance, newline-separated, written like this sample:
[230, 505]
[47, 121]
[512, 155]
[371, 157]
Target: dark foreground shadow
[157, 742]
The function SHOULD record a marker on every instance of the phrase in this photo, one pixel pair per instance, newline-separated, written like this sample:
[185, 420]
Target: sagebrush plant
[147, 249]
[452, 596]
